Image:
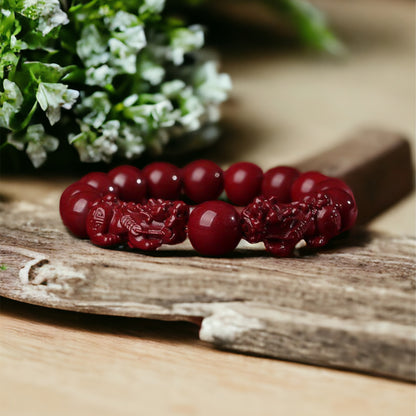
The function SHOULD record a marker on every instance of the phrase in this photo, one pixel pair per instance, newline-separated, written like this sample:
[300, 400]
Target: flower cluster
[133, 78]
[115, 77]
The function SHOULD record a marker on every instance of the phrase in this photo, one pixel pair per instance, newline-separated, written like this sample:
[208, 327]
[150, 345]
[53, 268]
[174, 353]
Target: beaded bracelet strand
[143, 208]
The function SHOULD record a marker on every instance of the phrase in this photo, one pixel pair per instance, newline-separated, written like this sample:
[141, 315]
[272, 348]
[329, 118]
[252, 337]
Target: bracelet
[143, 208]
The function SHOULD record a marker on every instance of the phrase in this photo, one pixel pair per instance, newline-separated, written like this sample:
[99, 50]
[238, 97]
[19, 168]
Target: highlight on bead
[142, 209]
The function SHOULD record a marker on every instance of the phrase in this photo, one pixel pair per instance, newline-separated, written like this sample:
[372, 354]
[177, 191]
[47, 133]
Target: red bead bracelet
[142, 208]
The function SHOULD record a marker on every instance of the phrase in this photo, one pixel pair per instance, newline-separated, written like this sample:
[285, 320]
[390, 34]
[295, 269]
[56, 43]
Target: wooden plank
[377, 164]
[349, 306]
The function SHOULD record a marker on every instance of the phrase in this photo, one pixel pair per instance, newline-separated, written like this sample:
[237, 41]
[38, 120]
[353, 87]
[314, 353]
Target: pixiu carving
[143, 226]
[280, 226]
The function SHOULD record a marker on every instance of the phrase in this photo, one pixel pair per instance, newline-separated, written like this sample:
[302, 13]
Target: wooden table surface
[286, 105]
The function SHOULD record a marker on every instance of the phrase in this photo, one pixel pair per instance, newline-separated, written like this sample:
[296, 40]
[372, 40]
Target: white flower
[122, 56]
[210, 85]
[39, 143]
[152, 116]
[151, 72]
[152, 6]
[12, 99]
[183, 40]
[172, 88]
[191, 110]
[92, 47]
[111, 129]
[48, 12]
[130, 142]
[130, 100]
[121, 20]
[95, 107]
[101, 76]
[92, 148]
[52, 96]
[133, 37]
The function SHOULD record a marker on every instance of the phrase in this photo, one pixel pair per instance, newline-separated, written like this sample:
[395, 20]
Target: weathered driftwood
[349, 306]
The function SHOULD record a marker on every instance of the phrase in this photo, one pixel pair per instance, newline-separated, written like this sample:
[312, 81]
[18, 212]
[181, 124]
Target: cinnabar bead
[277, 182]
[101, 182]
[75, 211]
[242, 182]
[163, 180]
[346, 206]
[73, 189]
[214, 228]
[305, 184]
[333, 183]
[202, 180]
[130, 181]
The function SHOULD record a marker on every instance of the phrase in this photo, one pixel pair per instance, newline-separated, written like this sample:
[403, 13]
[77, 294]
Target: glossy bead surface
[333, 183]
[242, 182]
[202, 180]
[346, 205]
[163, 180]
[277, 182]
[305, 184]
[101, 182]
[130, 181]
[214, 228]
[75, 211]
[73, 189]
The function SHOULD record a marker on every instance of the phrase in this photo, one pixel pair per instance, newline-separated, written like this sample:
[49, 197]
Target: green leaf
[43, 72]
[310, 23]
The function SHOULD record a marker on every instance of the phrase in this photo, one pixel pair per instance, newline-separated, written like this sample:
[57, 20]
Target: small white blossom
[122, 56]
[184, 40]
[133, 37]
[48, 13]
[130, 142]
[152, 72]
[191, 110]
[12, 99]
[210, 85]
[17, 141]
[130, 100]
[121, 20]
[172, 88]
[92, 47]
[111, 129]
[93, 148]
[53, 96]
[152, 6]
[152, 116]
[101, 76]
[95, 107]
[39, 143]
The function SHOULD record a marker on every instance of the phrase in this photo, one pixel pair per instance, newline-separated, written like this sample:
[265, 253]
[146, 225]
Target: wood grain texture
[348, 306]
[65, 363]
[377, 164]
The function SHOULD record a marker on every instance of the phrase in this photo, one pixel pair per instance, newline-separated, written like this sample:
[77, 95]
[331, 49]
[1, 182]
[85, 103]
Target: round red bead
[242, 182]
[305, 184]
[130, 181]
[73, 189]
[101, 182]
[75, 210]
[163, 180]
[202, 180]
[333, 183]
[277, 183]
[346, 205]
[214, 228]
